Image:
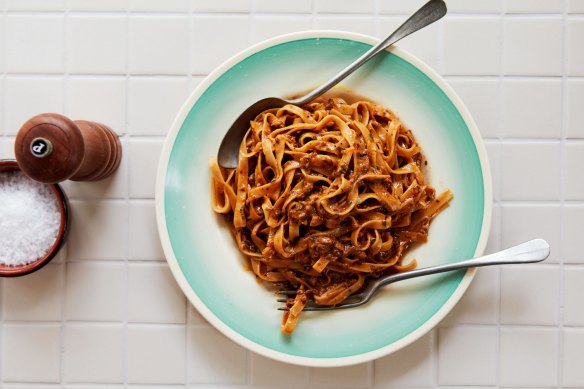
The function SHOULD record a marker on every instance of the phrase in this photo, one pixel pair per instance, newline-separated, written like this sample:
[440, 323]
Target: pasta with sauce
[326, 196]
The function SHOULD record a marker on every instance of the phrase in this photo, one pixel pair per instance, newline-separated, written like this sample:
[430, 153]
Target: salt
[29, 219]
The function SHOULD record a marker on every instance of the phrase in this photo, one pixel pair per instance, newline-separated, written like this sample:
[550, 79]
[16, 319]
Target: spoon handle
[428, 14]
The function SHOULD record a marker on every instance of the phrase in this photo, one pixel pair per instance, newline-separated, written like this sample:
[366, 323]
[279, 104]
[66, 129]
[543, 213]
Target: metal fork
[535, 250]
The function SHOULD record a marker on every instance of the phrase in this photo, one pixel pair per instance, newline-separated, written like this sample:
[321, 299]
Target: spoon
[228, 155]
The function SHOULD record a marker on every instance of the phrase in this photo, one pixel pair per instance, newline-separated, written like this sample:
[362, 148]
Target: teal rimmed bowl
[205, 260]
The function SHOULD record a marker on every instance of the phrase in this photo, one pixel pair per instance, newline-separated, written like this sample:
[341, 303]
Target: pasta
[326, 196]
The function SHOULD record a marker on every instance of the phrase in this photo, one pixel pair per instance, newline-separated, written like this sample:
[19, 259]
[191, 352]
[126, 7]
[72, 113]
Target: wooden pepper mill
[52, 148]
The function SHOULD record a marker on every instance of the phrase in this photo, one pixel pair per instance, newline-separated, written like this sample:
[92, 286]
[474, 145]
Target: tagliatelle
[325, 197]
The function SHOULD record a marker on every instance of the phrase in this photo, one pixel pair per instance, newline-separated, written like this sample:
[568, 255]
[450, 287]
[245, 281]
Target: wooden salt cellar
[52, 148]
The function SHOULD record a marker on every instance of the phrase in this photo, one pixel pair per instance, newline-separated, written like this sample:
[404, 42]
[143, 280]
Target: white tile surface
[573, 344]
[153, 295]
[337, 377]
[105, 237]
[95, 292]
[522, 53]
[209, 31]
[482, 98]
[226, 6]
[573, 309]
[30, 353]
[528, 357]
[34, 44]
[143, 160]
[572, 233]
[530, 294]
[411, 367]
[483, 56]
[97, 44]
[97, 5]
[265, 27]
[529, 6]
[150, 52]
[574, 115]
[524, 177]
[574, 47]
[333, 6]
[156, 354]
[532, 108]
[454, 347]
[94, 353]
[521, 223]
[465, 6]
[265, 371]
[573, 160]
[214, 359]
[154, 5]
[154, 102]
[144, 243]
[359, 24]
[575, 6]
[494, 155]
[35, 5]
[35, 297]
[98, 99]
[284, 6]
[27, 96]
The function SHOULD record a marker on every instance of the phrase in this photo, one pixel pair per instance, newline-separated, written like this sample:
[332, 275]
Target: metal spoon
[229, 149]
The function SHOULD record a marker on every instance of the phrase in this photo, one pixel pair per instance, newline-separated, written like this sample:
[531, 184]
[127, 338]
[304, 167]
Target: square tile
[265, 371]
[144, 241]
[352, 7]
[530, 171]
[214, 359]
[410, 367]
[35, 5]
[522, 53]
[30, 37]
[156, 355]
[338, 377]
[530, 294]
[37, 296]
[283, 6]
[143, 161]
[482, 98]
[574, 47]
[95, 291]
[572, 373]
[30, 353]
[575, 6]
[158, 45]
[154, 102]
[423, 44]
[572, 216]
[455, 344]
[27, 96]
[573, 307]
[94, 353]
[112, 187]
[480, 58]
[98, 5]
[101, 230]
[465, 6]
[573, 182]
[353, 23]
[528, 357]
[574, 114]
[97, 44]
[154, 295]
[155, 5]
[210, 46]
[521, 223]
[265, 27]
[221, 5]
[100, 99]
[528, 6]
[532, 108]
[480, 303]
[400, 7]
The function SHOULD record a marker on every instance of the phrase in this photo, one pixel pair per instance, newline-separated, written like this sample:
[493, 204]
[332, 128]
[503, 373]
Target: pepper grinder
[51, 148]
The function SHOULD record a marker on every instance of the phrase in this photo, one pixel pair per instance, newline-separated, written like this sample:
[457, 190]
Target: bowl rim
[63, 203]
[207, 313]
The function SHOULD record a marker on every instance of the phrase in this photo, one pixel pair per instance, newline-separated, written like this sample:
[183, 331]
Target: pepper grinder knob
[51, 148]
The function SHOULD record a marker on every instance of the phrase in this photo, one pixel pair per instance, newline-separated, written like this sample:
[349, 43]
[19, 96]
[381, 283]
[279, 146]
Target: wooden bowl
[63, 203]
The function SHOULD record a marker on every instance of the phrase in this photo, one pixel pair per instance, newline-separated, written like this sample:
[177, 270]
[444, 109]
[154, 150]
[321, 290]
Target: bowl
[63, 204]
[206, 262]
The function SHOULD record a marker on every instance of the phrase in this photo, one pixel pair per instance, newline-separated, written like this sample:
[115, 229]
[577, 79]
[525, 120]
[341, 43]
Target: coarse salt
[29, 219]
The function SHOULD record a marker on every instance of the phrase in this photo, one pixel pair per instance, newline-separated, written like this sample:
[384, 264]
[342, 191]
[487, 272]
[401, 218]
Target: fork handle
[535, 250]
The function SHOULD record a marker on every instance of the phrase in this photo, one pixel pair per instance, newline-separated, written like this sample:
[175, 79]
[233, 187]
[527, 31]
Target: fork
[535, 250]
